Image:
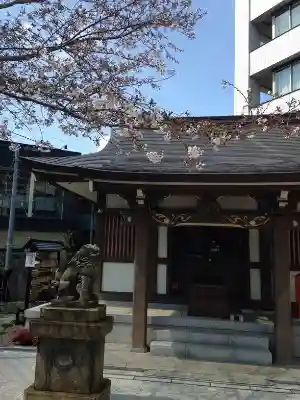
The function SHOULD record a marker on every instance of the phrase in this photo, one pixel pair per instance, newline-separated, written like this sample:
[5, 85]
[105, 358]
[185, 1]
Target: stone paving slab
[137, 389]
[17, 370]
[119, 358]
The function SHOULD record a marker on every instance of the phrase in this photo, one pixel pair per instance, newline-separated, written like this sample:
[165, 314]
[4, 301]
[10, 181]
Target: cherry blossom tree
[210, 133]
[82, 65]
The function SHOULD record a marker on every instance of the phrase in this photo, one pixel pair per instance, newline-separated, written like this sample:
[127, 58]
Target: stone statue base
[32, 394]
[70, 353]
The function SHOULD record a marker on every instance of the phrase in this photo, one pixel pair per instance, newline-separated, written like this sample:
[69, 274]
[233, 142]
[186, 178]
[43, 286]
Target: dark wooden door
[209, 256]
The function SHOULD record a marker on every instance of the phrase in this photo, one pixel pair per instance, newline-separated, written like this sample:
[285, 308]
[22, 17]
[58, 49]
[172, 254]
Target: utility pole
[12, 211]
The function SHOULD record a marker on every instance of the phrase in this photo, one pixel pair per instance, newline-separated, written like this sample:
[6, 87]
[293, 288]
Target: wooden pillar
[152, 261]
[100, 208]
[140, 291]
[284, 338]
[266, 263]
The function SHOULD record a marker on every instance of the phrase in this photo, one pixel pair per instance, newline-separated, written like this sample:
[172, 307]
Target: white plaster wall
[118, 277]
[237, 202]
[260, 7]
[226, 202]
[255, 284]
[161, 282]
[275, 52]
[115, 201]
[162, 249]
[80, 188]
[179, 202]
[254, 255]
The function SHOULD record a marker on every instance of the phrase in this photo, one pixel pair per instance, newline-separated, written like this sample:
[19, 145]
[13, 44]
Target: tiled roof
[6, 155]
[264, 153]
[42, 245]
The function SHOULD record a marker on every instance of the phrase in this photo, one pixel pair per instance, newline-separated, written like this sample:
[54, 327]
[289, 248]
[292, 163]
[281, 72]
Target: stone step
[210, 324]
[211, 353]
[213, 338]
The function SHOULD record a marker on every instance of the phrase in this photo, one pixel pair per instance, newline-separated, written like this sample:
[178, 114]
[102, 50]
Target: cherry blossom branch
[71, 42]
[89, 62]
[55, 107]
[42, 103]
[18, 2]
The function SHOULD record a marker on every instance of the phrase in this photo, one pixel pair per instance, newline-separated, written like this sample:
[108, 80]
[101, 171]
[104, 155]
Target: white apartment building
[267, 53]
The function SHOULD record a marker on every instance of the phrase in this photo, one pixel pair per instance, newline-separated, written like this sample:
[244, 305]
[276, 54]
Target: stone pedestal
[70, 353]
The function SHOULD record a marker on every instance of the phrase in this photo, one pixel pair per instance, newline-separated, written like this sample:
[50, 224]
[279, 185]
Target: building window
[286, 19]
[295, 15]
[287, 79]
[283, 81]
[44, 188]
[282, 23]
[296, 76]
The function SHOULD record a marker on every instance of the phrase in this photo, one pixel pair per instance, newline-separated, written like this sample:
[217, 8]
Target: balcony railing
[261, 7]
[270, 106]
[50, 204]
[42, 205]
[275, 52]
[5, 202]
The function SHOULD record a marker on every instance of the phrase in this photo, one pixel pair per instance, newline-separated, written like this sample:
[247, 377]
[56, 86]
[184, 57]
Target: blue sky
[205, 63]
[197, 86]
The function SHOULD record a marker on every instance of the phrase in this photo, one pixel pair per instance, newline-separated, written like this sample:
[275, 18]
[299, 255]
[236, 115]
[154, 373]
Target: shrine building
[223, 241]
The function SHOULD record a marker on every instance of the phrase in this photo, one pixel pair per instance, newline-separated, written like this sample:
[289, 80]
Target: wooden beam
[209, 216]
[140, 292]
[284, 338]
[160, 191]
[206, 212]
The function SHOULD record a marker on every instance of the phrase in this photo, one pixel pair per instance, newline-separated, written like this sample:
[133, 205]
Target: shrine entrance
[209, 269]
[212, 268]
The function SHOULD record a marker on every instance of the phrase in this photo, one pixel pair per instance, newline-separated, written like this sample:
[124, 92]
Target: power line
[35, 140]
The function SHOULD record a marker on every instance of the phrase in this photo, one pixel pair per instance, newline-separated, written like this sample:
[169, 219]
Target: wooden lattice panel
[118, 239]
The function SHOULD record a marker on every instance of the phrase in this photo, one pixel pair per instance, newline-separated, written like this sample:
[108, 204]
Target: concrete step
[213, 338]
[207, 352]
[210, 324]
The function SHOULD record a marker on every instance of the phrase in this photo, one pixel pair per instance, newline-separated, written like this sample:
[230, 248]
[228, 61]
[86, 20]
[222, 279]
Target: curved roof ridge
[266, 152]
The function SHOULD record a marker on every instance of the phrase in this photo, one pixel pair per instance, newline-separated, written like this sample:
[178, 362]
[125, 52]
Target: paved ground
[140, 376]
[7, 329]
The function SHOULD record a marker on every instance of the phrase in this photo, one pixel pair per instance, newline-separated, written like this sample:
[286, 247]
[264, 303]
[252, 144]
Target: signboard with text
[30, 260]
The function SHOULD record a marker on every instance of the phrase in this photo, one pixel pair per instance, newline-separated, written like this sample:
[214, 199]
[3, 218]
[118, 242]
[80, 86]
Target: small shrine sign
[30, 259]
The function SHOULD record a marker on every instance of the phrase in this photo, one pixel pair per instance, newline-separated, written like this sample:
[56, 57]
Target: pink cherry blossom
[86, 66]
[155, 157]
[194, 152]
